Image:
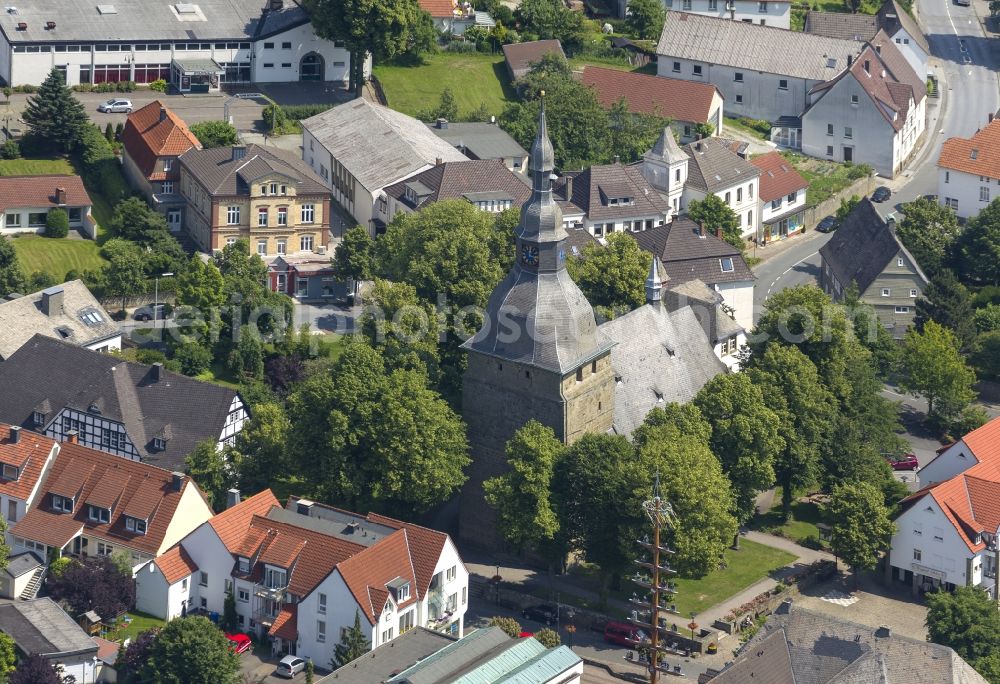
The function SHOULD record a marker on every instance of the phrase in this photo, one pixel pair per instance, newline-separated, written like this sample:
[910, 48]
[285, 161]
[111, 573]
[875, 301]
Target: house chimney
[156, 371]
[276, 5]
[52, 301]
[176, 480]
[438, 161]
[61, 196]
[868, 67]
[15, 434]
[163, 113]
[569, 188]
[618, 159]
[442, 124]
[883, 632]
[718, 233]
[850, 60]
[701, 229]
[232, 497]
[784, 608]
[239, 152]
[697, 145]
[73, 437]
[990, 117]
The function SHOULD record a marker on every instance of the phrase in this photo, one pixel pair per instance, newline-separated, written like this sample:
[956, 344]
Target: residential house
[93, 503]
[764, 72]
[967, 168]
[691, 106]
[41, 628]
[132, 410]
[979, 446]
[66, 312]
[715, 169]
[689, 252]
[450, 16]
[725, 335]
[301, 574]
[266, 196]
[360, 147]
[799, 645]
[520, 57]
[665, 168]
[776, 13]
[609, 198]
[308, 278]
[478, 140]
[25, 460]
[152, 140]
[865, 252]
[486, 184]
[25, 203]
[873, 112]
[892, 18]
[196, 47]
[782, 198]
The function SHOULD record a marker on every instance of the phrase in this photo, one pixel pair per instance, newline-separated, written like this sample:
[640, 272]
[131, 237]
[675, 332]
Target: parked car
[545, 613]
[290, 666]
[624, 634]
[827, 225]
[904, 462]
[881, 194]
[240, 643]
[118, 104]
[145, 313]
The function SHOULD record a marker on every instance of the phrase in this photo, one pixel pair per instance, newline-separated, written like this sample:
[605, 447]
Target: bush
[462, 47]
[109, 132]
[760, 125]
[10, 150]
[274, 117]
[510, 626]
[25, 89]
[57, 223]
[549, 638]
[299, 112]
[159, 85]
[150, 356]
[193, 358]
[58, 566]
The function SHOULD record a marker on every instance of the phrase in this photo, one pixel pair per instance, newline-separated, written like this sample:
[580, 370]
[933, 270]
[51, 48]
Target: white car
[290, 666]
[116, 105]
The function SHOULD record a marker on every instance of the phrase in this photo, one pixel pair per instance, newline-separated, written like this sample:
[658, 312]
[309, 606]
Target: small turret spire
[654, 285]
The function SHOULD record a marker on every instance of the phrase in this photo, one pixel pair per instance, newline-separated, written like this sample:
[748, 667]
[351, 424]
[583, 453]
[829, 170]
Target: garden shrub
[57, 223]
[159, 85]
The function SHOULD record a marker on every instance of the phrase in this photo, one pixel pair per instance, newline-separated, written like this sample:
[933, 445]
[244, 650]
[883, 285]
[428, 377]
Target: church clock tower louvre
[539, 355]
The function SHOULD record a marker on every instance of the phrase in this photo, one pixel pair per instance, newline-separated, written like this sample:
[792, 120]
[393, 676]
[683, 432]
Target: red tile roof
[984, 442]
[439, 9]
[176, 564]
[367, 573]
[282, 550]
[150, 134]
[87, 471]
[285, 626]
[232, 524]
[426, 546]
[106, 650]
[670, 98]
[29, 454]
[778, 178]
[18, 192]
[978, 155]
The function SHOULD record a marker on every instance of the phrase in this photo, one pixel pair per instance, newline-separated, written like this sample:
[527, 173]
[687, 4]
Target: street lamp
[496, 582]
[570, 628]
[156, 297]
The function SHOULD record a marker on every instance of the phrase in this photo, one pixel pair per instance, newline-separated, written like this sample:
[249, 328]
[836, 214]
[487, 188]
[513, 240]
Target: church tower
[665, 166]
[539, 355]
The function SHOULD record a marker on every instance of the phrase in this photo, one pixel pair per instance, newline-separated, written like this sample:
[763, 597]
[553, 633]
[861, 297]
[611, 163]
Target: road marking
[775, 281]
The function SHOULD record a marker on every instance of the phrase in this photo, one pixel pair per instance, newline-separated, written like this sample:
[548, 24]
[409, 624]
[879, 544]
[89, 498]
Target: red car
[240, 643]
[904, 462]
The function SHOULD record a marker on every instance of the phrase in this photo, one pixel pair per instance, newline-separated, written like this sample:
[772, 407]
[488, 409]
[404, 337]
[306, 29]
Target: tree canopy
[966, 620]
[191, 649]
[645, 18]
[716, 215]
[97, 584]
[932, 367]
[977, 249]
[215, 133]
[947, 301]
[54, 116]
[612, 276]
[544, 19]
[353, 257]
[35, 669]
[860, 524]
[929, 230]
[11, 275]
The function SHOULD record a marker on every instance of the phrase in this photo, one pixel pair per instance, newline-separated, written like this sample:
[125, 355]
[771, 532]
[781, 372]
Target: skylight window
[91, 317]
[973, 154]
[106, 9]
[727, 264]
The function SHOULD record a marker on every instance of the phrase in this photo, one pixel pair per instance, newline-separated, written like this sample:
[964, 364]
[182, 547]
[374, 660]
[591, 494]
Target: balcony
[270, 593]
[443, 623]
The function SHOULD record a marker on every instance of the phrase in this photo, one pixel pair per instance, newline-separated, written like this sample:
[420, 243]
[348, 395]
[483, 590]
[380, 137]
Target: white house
[197, 46]
[873, 112]
[982, 445]
[782, 197]
[300, 574]
[27, 200]
[716, 169]
[969, 170]
[359, 148]
[25, 458]
[665, 168]
[609, 198]
[763, 12]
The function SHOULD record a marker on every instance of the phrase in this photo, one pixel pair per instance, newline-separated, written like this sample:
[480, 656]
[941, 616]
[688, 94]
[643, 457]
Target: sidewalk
[778, 247]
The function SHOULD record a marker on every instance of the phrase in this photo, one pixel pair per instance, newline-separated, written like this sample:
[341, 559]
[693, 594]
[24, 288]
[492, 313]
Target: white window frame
[886, 292]
[321, 604]
[307, 213]
[233, 215]
[98, 514]
[282, 216]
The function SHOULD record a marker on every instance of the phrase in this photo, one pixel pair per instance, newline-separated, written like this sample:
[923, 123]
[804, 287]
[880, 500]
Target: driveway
[256, 669]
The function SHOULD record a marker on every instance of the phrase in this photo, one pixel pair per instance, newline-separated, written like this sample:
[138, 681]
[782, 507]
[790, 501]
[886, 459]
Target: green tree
[310, 671]
[929, 231]
[521, 495]
[382, 28]
[125, 274]
[509, 625]
[546, 19]
[947, 301]
[57, 223]
[260, 454]
[246, 358]
[403, 328]
[746, 438]
[215, 134]
[987, 318]
[932, 367]
[966, 620]
[846, 207]
[613, 275]
[633, 133]
[860, 525]
[977, 249]
[716, 215]
[645, 18]
[673, 441]
[549, 638]
[11, 275]
[244, 282]
[230, 618]
[353, 644]
[54, 115]
[191, 649]
[352, 260]
[109, 133]
[207, 467]
[8, 656]
[986, 354]
[199, 285]
[446, 108]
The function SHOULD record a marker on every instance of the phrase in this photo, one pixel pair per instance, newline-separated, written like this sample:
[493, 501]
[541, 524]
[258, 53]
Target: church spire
[654, 286]
[541, 218]
[543, 158]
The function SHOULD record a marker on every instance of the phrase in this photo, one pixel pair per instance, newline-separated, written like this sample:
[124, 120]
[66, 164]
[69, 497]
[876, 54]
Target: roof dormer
[400, 589]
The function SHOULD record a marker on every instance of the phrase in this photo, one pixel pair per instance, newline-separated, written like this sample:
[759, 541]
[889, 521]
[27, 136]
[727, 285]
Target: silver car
[290, 666]
[116, 105]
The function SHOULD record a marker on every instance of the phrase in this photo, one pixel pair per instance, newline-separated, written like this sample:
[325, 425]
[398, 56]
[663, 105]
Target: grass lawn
[802, 524]
[737, 125]
[35, 167]
[57, 256]
[474, 79]
[220, 374]
[140, 623]
[826, 178]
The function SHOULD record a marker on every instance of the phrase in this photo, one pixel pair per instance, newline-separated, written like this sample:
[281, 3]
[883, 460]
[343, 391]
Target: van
[623, 634]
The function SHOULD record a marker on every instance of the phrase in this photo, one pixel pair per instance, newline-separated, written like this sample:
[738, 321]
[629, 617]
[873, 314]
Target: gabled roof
[753, 47]
[671, 98]
[377, 145]
[478, 139]
[285, 626]
[843, 25]
[520, 56]
[978, 155]
[383, 662]
[28, 455]
[984, 442]
[39, 192]
[232, 524]
[470, 180]
[687, 254]
[41, 627]
[104, 480]
[222, 175]
[439, 9]
[176, 564]
[863, 247]
[778, 178]
[65, 375]
[154, 131]
[594, 187]
[426, 546]
[892, 17]
[369, 573]
[715, 166]
[666, 149]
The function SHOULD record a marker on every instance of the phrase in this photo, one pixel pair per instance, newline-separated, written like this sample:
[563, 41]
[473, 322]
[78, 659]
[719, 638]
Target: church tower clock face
[529, 255]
